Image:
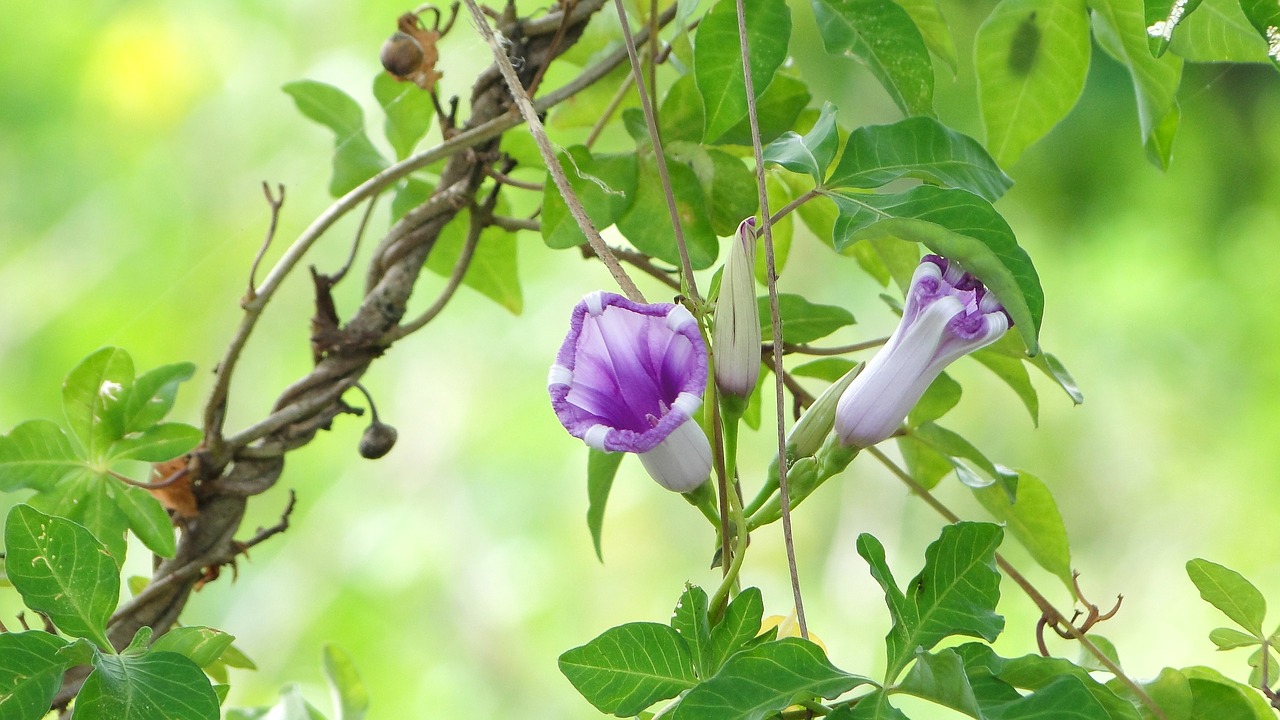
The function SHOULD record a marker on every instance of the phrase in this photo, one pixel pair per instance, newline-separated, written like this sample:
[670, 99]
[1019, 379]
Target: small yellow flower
[788, 626]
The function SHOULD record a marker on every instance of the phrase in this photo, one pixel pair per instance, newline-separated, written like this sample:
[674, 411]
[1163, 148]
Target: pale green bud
[736, 335]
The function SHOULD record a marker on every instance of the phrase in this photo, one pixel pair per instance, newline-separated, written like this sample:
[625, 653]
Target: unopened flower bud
[736, 336]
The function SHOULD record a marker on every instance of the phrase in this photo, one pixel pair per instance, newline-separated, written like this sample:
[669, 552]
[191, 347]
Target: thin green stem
[720, 597]
[789, 207]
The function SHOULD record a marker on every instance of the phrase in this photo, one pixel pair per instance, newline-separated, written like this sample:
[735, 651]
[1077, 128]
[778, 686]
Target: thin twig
[771, 277]
[162, 484]
[513, 182]
[511, 224]
[618, 96]
[530, 113]
[335, 278]
[275, 205]
[841, 350]
[786, 209]
[474, 229]
[1049, 612]
[645, 264]
[651, 122]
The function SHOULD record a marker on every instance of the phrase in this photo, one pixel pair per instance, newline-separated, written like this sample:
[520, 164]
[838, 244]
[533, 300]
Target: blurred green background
[133, 141]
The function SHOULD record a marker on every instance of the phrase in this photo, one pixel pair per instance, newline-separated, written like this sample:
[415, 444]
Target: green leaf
[1162, 19]
[601, 469]
[152, 395]
[1053, 367]
[955, 594]
[690, 619]
[921, 148]
[62, 571]
[157, 443]
[728, 186]
[30, 673]
[881, 35]
[409, 195]
[493, 271]
[955, 448]
[940, 678]
[1217, 697]
[682, 117]
[779, 109]
[1230, 638]
[92, 500]
[957, 225]
[147, 518]
[1119, 28]
[717, 58]
[1219, 32]
[606, 185]
[1015, 375]
[1169, 689]
[93, 398]
[1044, 676]
[927, 15]
[36, 454]
[1230, 592]
[1265, 18]
[802, 321]
[350, 696]
[811, 153]
[201, 645]
[925, 465]
[408, 112]
[740, 625]
[765, 679]
[355, 159]
[647, 222]
[942, 395]
[1034, 520]
[154, 686]
[1031, 57]
[630, 667]
[830, 369]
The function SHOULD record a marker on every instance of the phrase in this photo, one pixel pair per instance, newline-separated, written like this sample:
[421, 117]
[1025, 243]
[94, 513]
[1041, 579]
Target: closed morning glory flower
[736, 336]
[629, 378]
[948, 313]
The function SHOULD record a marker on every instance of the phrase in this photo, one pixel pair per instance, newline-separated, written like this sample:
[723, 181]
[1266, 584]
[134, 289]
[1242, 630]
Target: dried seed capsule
[378, 439]
[401, 55]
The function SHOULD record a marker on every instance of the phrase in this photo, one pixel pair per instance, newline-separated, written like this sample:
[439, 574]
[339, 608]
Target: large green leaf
[955, 448]
[872, 706]
[739, 626]
[955, 594]
[1015, 375]
[408, 112]
[157, 443]
[1219, 32]
[918, 147]
[957, 225]
[802, 321]
[1120, 29]
[351, 697]
[61, 571]
[1215, 696]
[647, 222]
[729, 187]
[355, 159]
[602, 467]
[30, 673]
[882, 35]
[1264, 15]
[1034, 520]
[940, 678]
[765, 679]
[628, 668]
[1032, 57]
[606, 186]
[1169, 689]
[152, 686]
[1059, 688]
[493, 271]
[811, 153]
[779, 110]
[1230, 592]
[36, 454]
[933, 27]
[717, 58]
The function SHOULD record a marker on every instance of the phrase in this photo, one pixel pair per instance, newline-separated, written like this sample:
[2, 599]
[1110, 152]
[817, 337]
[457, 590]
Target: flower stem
[720, 598]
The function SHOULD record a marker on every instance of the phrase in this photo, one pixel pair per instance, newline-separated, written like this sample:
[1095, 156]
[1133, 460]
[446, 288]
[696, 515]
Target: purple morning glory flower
[629, 378]
[948, 313]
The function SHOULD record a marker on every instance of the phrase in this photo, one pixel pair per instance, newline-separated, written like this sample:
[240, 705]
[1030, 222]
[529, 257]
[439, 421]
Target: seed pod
[401, 55]
[378, 439]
